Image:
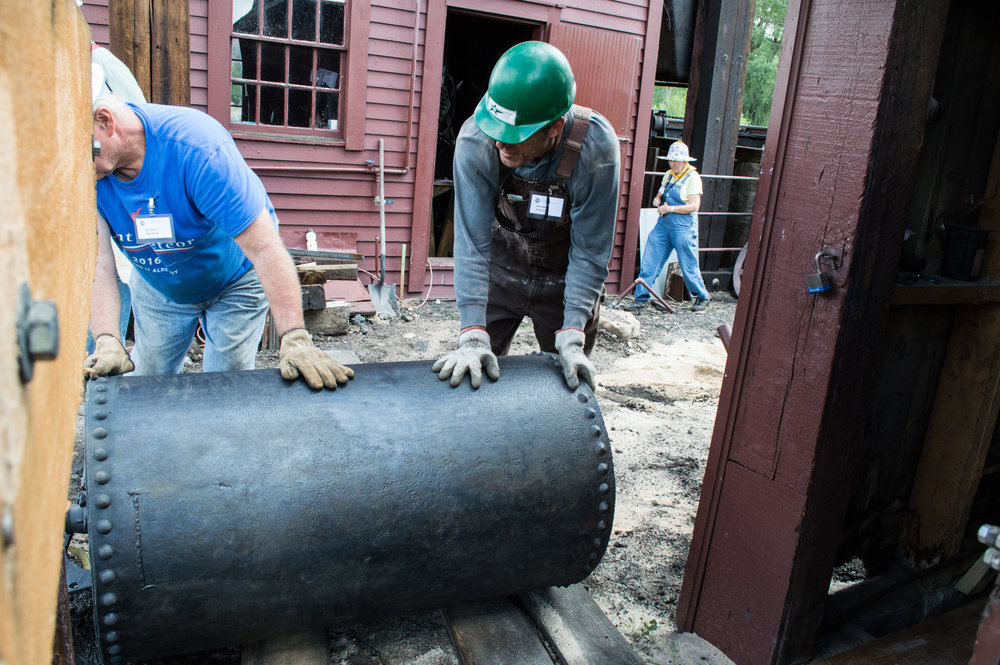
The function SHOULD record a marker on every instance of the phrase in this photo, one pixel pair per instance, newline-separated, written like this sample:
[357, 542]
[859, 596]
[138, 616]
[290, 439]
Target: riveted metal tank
[230, 507]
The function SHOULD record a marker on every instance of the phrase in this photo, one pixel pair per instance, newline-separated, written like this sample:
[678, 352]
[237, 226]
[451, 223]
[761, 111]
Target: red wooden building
[308, 89]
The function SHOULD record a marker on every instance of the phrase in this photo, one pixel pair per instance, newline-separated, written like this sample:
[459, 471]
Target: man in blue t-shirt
[177, 198]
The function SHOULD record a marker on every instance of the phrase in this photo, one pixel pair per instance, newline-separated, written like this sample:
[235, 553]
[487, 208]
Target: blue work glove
[575, 365]
[473, 355]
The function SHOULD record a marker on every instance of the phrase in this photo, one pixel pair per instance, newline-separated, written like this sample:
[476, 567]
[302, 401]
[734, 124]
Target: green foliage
[670, 99]
[762, 64]
[646, 629]
[762, 68]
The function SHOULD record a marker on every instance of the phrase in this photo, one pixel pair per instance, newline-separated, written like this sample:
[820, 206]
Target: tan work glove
[575, 365]
[472, 355]
[108, 359]
[299, 357]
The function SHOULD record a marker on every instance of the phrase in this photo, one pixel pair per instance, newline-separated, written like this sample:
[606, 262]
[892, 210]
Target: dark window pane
[246, 17]
[276, 18]
[328, 69]
[272, 106]
[249, 104]
[331, 22]
[304, 20]
[245, 53]
[272, 62]
[326, 110]
[236, 102]
[300, 65]
[299, 108]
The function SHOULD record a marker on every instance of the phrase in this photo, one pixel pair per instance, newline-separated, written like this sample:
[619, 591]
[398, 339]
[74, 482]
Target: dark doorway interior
[472, 45]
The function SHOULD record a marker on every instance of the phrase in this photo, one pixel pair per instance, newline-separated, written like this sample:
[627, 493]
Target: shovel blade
[383, 297]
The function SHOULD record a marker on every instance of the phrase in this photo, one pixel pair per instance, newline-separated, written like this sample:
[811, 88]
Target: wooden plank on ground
[494, 632]
[576, 628]
[317, 273]
[299, 649]
[948, 638]
[321, 256]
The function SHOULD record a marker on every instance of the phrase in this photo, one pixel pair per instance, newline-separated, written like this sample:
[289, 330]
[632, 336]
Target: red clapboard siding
[603, 38]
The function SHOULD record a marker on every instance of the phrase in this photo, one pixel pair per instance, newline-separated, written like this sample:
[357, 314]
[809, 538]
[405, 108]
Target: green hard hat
[531, 86]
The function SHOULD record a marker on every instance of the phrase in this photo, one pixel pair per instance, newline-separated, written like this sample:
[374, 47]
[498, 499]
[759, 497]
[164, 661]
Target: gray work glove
[569, 344]
[108, 359]
[299, 357]
[472, 355]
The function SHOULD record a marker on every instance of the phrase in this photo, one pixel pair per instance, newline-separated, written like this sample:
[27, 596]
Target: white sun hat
[679, 152]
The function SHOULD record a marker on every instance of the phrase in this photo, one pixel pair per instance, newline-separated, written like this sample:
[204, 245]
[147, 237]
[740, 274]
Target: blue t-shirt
[193, 171]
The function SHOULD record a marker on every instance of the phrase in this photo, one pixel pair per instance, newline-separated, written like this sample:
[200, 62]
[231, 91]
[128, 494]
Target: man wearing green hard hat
[536, 199]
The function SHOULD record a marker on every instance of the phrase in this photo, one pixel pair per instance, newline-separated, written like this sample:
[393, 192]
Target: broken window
[287, 58]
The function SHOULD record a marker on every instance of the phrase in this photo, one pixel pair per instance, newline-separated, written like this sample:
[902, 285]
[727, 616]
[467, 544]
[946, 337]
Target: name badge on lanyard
[543, 206]
[154, 228]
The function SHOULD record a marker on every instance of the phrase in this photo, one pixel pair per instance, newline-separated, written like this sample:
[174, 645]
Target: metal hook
[827, 254]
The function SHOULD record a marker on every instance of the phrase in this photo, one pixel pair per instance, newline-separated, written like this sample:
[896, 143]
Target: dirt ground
[659, 376]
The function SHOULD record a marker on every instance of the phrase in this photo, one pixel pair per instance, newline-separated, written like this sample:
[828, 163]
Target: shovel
[383, 296]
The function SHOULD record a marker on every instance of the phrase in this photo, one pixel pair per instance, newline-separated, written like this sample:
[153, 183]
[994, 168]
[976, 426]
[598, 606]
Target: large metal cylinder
[236, 506]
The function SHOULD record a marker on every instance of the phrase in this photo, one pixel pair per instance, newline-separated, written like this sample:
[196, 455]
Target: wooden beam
[170, 53]
[576, 628]
[128, 27]
[313, 273]
[715, 102]
[948, 638]
[153, 38]
[494, 632]
[784, 452]
[964, 415]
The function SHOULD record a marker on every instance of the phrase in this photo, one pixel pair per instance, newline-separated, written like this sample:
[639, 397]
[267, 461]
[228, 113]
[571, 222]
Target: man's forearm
[281, 286]
[276, 271]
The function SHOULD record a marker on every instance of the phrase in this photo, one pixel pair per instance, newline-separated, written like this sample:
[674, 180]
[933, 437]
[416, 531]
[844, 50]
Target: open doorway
[472, 45]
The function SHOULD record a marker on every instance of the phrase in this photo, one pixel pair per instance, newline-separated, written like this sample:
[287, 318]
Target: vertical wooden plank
[128, 25]
[432, 66]
[793, 395]
[170, 53]
[715, 101]
[48, 244]
[639, 157]
[964, 415]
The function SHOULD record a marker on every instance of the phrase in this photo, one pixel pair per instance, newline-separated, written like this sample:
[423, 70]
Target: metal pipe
[229, 507]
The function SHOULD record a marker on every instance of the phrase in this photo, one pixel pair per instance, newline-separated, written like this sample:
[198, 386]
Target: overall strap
[574, 142]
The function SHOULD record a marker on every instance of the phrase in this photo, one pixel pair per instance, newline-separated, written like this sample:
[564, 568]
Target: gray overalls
[529, 252]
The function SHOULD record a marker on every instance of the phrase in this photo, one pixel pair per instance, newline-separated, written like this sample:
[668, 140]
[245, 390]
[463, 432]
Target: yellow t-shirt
[690, 186]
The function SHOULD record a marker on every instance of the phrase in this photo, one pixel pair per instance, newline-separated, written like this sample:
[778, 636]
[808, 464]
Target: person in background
[536, 199]
[677, 202]
[110, 75]
[176, 196]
